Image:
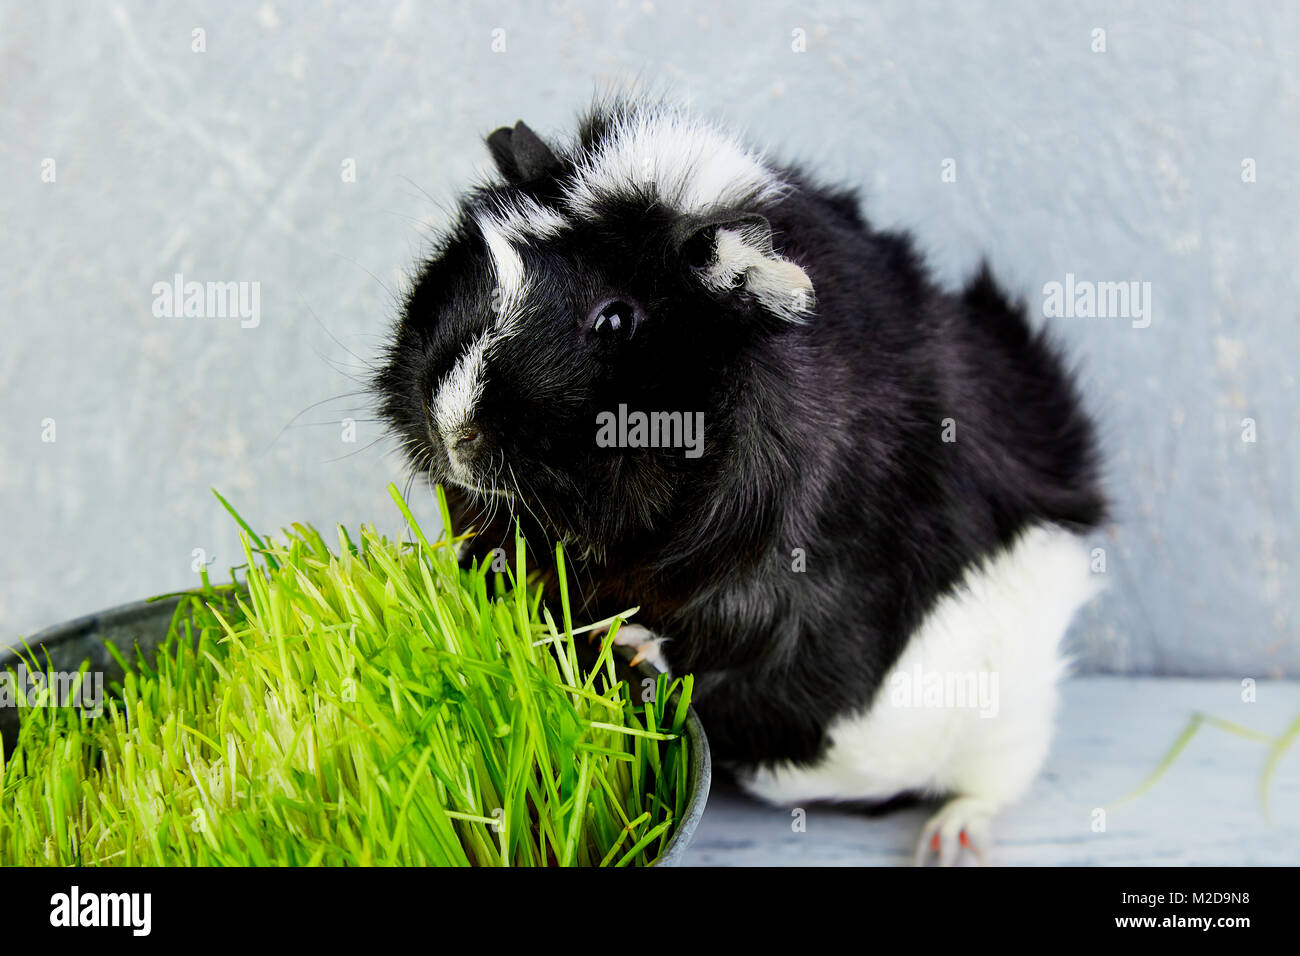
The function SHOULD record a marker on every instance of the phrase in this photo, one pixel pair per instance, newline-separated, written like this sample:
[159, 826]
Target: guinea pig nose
[466, 439]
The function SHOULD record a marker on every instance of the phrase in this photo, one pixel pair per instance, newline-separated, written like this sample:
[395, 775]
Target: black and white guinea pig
[882, 513]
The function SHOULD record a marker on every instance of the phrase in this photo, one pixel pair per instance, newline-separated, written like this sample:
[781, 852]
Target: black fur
[824, 435]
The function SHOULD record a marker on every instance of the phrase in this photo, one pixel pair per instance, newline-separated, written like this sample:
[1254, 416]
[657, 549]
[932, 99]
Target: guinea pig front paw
[648, 645]
[958, 833]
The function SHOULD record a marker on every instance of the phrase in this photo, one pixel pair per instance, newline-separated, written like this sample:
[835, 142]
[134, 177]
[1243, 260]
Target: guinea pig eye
[614, 320]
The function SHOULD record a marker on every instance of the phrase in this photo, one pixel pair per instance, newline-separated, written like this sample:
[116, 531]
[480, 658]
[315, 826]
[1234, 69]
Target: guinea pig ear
[520, 154]
[735, 253]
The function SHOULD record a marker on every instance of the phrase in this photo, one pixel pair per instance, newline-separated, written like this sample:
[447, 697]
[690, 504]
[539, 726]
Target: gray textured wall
[227, 165]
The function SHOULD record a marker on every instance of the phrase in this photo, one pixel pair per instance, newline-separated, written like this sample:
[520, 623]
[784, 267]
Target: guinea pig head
[578, 343]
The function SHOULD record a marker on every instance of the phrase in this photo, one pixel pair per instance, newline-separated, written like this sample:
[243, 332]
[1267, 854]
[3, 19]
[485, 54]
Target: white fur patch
[507, 266]
[687, 163]
[746, 255]
[1005, 622]
[524, 218]
[458, 393]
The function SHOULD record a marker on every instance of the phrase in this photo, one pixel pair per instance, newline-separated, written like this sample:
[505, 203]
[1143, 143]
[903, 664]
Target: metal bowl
[144, 625]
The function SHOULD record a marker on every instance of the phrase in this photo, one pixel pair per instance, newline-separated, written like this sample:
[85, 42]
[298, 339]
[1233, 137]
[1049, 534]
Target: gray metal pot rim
[144, 624]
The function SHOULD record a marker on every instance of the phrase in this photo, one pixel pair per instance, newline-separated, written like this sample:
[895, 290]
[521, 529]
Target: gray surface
[225, 166]
[1114, 731]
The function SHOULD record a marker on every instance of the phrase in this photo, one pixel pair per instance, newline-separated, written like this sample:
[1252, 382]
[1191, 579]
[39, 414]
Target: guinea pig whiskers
[364, 447]
[494, 501]
[341, 421]
[520, 496]
[487, 501]
[394, 296]
[551, 528]
[418, 453]
[287, 425]
[366, 364]
[406, 488]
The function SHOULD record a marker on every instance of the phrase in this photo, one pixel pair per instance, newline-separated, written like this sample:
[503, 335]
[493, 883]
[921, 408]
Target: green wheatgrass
[371, 705]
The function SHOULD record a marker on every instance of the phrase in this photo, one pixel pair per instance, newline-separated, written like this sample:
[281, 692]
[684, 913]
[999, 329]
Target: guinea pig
[853, 504]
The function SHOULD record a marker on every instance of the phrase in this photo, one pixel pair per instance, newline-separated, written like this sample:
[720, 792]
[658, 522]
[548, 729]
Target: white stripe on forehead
[685, 162]
[505, 225]
[459, 392]
[523, 218]
[507, 266]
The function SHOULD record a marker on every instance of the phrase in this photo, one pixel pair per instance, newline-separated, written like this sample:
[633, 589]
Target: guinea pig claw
[642, 654]
[957, 834]
[649, 646]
